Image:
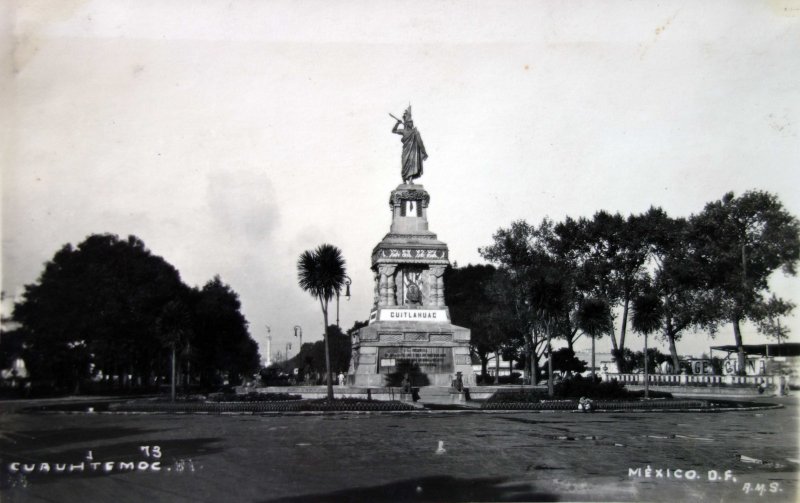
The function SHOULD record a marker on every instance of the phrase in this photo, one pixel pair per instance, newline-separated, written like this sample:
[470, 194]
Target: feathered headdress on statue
[407, 114]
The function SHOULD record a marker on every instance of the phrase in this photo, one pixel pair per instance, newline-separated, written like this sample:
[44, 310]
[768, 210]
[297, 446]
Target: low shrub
[609, 405]
[574, 389]
[599, 390]
[253, 396]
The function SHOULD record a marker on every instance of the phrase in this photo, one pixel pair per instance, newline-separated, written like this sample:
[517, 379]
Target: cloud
[242, 204]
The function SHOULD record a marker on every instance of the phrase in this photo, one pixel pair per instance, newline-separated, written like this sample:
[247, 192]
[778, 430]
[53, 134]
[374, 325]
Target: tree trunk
[616, 351]
[172, 377]
[646, 374]
[622, 330]
[327, 353]
[673, 350]
[484, 365]
[549, 366]
[737, 336]
[532, 363]
[497, 367]
[188, 377]
[593, 365]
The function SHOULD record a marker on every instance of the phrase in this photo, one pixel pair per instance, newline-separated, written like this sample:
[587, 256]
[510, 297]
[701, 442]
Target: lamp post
[347, 283]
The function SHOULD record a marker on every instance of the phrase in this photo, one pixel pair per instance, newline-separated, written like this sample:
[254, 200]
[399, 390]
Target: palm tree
[646, 319]
[322, 273]
[594, 319]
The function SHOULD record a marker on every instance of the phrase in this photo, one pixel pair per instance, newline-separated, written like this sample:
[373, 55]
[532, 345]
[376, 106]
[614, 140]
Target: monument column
[437, 285]
[392, 289]
[376, 293]
[387, 285]
[382, 289]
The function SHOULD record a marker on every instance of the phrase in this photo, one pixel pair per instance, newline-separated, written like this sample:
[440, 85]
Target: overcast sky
[231, 136]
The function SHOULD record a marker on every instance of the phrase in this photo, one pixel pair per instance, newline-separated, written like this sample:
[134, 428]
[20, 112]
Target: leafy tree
[770, 318]
[624, 260]
[523, 252]
[357, 325]
[549, 296]
[594, 318]
[740, 242]
[607, 255]
[571, 244]
[311, 356]
[221, 342]
[321, 272]
[475, 299]
[564, 360]
[625, 360]
[676, 279]
[12, 346]
[635, 359]
[97, 302]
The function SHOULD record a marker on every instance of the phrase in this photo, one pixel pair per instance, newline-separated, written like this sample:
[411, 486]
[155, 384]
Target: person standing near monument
[413, 148]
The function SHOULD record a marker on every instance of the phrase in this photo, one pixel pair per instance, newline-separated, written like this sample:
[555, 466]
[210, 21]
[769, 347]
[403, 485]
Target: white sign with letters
[435, 315]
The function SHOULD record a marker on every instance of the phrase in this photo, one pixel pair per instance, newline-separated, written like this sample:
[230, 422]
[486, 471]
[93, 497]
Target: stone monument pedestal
[431, 353]
[409, 332]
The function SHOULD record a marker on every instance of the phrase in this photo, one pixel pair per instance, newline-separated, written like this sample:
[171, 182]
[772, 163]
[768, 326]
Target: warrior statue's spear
[395, 118]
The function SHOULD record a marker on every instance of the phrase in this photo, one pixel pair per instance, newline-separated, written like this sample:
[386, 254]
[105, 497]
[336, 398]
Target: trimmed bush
[321, 405]
[574, 388]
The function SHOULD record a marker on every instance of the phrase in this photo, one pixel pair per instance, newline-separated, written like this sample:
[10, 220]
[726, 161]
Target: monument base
[377, 380]
[431, 353]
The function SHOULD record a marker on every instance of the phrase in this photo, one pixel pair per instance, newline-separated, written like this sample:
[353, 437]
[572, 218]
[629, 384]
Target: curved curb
[408, 412]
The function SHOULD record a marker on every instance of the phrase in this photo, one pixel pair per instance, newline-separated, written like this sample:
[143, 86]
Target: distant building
[763, 359]
[506, 367]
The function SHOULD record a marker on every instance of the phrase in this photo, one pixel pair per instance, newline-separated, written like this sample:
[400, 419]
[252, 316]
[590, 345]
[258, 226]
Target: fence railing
[691, 379]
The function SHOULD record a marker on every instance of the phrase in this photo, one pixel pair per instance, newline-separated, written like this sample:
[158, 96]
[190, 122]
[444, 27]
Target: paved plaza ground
[501, 456]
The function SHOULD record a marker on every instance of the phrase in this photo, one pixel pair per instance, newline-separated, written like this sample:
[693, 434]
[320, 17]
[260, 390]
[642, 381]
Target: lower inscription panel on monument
[430, 360]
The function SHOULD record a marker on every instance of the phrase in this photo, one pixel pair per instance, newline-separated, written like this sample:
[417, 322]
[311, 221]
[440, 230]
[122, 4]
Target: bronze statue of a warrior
[413, 148]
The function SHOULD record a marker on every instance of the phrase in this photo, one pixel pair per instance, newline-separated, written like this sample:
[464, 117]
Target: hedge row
[287, 406]
[572, 390]
[598, 404]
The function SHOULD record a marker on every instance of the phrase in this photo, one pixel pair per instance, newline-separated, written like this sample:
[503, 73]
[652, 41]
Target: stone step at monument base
[369, 379]
[440, 395]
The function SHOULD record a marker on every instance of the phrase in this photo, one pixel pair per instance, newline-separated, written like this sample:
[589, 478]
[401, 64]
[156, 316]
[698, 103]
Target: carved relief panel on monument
[414, 288]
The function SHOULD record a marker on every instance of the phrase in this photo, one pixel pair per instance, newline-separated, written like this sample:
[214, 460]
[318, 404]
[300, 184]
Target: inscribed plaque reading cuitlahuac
[410, 329]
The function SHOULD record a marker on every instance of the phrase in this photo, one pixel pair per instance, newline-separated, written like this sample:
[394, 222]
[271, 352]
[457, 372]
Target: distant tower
[269, 346]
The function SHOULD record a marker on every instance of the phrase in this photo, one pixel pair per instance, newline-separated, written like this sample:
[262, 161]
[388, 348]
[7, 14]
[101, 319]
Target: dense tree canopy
[310, 359]
[222, 346]
[706, 270]
[109, 309]
[477, 299]
[740, 242]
